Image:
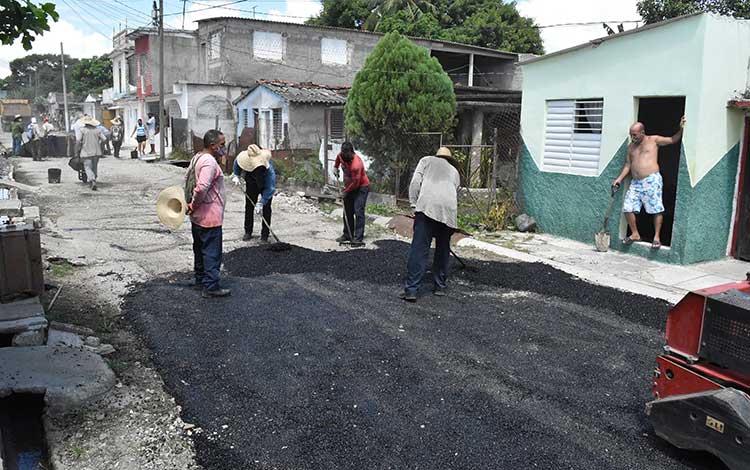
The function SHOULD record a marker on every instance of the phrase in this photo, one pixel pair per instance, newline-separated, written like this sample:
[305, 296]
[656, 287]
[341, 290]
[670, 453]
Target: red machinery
[701, 382]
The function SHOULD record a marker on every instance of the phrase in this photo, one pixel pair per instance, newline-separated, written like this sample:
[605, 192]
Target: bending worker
[356, 189]
[433, 193]
[255, 167]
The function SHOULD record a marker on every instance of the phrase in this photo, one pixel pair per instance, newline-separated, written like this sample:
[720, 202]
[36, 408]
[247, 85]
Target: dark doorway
[741, 231]
[661, 116]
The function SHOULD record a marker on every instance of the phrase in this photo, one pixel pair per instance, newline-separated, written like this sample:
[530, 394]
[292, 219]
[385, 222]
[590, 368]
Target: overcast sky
[85, 26]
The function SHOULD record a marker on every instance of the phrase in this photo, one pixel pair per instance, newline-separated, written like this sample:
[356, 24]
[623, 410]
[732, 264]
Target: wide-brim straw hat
[116, 120]
[443, 152]
[89, 121]
[171, 207]
[253, 157]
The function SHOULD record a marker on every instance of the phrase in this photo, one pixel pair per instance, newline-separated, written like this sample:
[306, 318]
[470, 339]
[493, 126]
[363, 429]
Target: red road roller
[702, 380]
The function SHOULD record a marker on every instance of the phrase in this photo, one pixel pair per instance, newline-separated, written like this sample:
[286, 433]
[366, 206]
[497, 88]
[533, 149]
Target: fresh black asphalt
[314, 363]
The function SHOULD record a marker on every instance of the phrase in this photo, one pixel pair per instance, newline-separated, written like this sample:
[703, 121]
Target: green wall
[573, 207]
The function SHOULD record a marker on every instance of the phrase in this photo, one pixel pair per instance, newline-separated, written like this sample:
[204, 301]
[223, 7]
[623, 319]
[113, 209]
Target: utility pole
[162, 127]
[65, 90]
[183, 13]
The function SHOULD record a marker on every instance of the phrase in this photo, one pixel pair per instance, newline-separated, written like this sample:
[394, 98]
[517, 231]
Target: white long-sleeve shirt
[434, 190]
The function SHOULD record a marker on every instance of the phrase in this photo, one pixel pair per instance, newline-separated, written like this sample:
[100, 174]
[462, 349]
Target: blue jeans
[17, 145]
[354, 213]
[207, 253]
[425, 229]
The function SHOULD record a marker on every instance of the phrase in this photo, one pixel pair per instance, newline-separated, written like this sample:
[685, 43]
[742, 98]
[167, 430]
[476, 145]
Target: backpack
[190, 178]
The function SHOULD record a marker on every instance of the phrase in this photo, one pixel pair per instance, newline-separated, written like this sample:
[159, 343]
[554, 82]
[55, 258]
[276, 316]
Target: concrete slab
[23, 324]
[674, 275]
[730, 267]
[27, 308]
[11, 208]
[63, 338]
[69, 377]
[704, 281]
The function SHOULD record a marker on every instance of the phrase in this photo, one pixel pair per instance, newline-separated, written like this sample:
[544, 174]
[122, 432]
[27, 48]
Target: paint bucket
[53, 175]
[134, 154]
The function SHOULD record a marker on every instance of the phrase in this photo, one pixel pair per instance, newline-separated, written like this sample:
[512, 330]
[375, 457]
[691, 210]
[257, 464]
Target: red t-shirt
[354, 172]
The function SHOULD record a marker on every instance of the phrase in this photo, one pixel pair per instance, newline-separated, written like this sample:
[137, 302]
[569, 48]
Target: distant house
[578, 105]
[291, 116]
[10, 107]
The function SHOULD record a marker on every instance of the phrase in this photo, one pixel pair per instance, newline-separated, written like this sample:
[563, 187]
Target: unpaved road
[314, 363]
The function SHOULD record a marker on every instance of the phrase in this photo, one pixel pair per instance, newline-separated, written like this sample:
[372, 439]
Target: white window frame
[573, 136]
[214, 45]
[268, 46]
[334, 51]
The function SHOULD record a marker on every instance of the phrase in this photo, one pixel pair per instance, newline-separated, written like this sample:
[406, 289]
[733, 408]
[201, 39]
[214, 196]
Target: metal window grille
[336, 124]
[334, 51]
[214, 46]
[278, 126]
[269, 46]
[573, 136]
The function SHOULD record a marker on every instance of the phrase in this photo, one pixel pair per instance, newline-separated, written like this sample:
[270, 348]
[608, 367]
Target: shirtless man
[646, 185]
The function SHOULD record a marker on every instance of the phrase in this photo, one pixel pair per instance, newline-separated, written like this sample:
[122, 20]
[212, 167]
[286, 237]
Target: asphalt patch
[314, 363]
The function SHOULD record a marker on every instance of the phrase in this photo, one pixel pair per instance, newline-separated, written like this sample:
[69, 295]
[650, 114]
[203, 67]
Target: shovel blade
[602, 240]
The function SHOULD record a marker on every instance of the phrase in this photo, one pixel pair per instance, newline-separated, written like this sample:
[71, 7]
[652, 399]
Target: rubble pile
[294, 202]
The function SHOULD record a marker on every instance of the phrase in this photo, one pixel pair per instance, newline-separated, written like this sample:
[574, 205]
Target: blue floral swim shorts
[646, 192]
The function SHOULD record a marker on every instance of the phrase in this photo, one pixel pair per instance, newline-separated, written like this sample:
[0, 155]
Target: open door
[661, 116]
[741, 239]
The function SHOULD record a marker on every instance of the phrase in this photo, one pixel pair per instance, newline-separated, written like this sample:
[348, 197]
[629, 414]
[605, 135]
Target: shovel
[602, 238]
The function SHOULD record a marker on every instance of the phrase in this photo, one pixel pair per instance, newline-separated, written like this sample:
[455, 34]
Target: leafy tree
[400, 89]
[35, 75]
[653, 11]
[91, 75]
[25, 20]
[487, 23]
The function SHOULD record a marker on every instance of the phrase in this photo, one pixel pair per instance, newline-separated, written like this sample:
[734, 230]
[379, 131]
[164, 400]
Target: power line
[589, 23]
[223, 5]
[85, 21]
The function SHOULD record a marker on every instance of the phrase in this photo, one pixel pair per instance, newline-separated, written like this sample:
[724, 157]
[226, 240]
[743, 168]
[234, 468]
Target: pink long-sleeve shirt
[208, 195]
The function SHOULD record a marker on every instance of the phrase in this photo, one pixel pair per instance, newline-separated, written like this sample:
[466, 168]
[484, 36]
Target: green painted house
[578, 105]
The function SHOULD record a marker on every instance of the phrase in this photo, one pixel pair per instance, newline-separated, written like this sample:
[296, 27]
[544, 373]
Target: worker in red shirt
[356, 188]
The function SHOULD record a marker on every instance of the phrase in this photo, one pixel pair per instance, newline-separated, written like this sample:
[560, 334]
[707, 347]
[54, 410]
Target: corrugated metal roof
[302, 92]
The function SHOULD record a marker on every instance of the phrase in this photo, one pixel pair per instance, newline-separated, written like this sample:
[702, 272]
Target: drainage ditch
[22, 442]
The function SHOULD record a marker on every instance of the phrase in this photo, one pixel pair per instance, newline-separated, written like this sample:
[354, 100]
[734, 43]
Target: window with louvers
[336, 131]
[334, 51]
[573, 136]
[214, 46]
[278, 126]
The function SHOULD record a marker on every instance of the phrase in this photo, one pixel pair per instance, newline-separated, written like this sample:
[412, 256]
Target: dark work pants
[116, 146]
[250, 216]
[425, 229]
[17, 143]
[207, 253]
[354, 213]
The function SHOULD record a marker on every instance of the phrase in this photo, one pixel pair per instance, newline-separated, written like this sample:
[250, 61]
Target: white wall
[703, 58]
[261, 98]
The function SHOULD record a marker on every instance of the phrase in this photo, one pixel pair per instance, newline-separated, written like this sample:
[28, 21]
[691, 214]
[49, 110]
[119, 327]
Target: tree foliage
[653, 11]
[24, 20]
[91, 75]
[400, 90]
[487, 23]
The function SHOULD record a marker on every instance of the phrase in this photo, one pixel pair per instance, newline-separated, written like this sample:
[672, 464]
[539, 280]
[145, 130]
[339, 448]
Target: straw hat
[171, 207]
[116, 120]
[253, 157]
[443, 152]
[89, 121]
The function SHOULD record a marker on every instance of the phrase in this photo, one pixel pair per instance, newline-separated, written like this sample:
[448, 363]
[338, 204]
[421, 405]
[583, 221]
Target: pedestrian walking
[204, 192]
[433, 193]
[17, 134]
[153, 129]
[255, 167]
[37, 138]
[90, 149]
[140, 133]
[356, 189]
[48, 129]
[116, 135]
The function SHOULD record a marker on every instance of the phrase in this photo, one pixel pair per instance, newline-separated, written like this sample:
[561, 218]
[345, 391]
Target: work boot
[263, 239]
[246, 237]
[208, 294]
[343, 239]
[439, 292]
[408, 297]
[357, 244]
[93, 186]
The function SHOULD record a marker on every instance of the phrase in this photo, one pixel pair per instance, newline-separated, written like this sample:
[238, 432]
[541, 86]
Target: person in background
[37, 138]
[356, 189]
[433, 193]
[206, 209]
[16, 130]
[48, 129]
[90, 148]
[105, 147]
[78, 125]
[116, 135]
[253, 165]
[152, 131]
[140, 133]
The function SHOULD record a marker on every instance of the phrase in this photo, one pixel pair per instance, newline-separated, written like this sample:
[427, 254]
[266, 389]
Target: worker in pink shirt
[206, 209]
[356, 189]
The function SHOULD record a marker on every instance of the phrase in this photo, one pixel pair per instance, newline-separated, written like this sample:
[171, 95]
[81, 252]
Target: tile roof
[303, 92]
